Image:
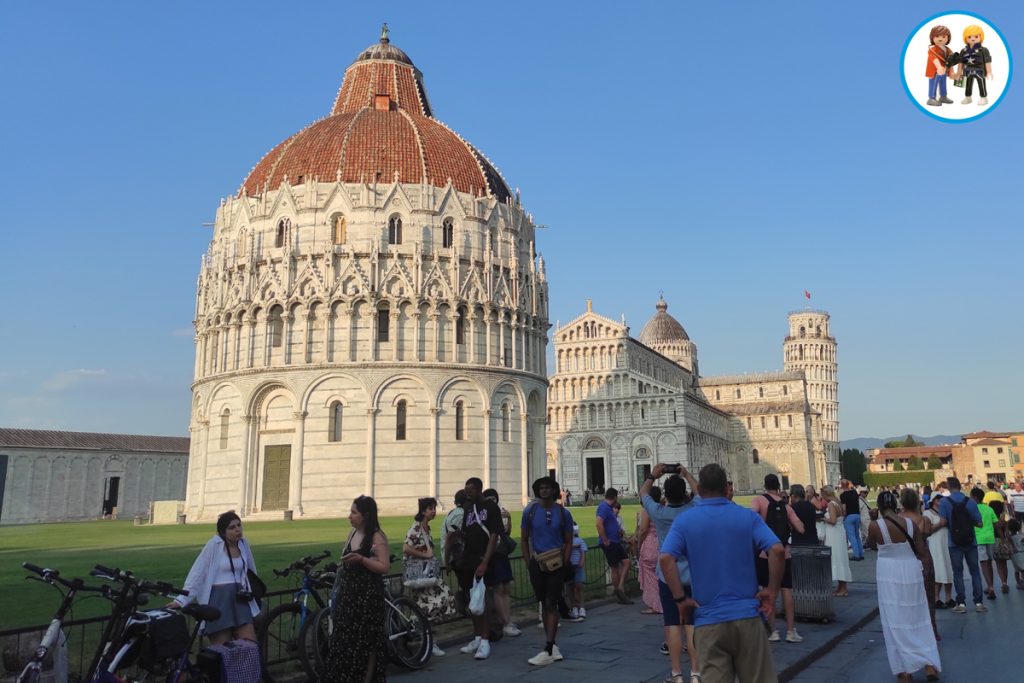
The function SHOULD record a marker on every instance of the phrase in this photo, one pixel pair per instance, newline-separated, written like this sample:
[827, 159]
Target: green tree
[897, 466]
[908, 442]
[934, 462]
[914, 463]
[853, 464]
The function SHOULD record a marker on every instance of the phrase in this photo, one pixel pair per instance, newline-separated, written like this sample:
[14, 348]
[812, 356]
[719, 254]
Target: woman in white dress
[902, 599]
[938, 547]
[835, 538]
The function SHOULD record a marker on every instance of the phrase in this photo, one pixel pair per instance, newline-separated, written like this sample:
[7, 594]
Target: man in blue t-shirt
[958, 554]
[609, 533]
[662, 516]
[547, 526]
[717, 537]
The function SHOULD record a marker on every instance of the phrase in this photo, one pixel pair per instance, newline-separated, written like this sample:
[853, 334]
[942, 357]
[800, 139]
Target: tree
[909, 442]
[914, 463]
[934, 462]
[897, 466]
[853, 463]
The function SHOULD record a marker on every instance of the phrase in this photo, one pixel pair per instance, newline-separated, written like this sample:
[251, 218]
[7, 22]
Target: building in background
[617, 405]
[371, 317]
[48, 476]
[980, 457]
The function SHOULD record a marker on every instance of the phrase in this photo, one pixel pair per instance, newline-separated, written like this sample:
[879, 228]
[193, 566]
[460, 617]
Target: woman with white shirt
[219, 577]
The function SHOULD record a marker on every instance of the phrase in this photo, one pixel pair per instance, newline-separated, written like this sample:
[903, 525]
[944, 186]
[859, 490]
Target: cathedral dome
[381, 129]
[662, 328]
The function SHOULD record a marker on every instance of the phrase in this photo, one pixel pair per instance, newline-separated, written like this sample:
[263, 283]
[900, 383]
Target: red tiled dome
[381, 124]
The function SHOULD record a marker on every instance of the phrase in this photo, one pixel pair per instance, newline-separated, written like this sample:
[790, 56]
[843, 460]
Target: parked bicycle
[410, 639]
[286, 632]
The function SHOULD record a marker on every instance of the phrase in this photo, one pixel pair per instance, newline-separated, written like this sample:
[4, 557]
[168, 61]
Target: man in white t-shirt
[1015, 497]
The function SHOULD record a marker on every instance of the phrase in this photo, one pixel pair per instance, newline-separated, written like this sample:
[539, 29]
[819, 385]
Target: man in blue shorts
[719, 540]
[609, 533]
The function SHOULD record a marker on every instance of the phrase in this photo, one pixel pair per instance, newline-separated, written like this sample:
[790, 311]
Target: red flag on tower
[807, 294]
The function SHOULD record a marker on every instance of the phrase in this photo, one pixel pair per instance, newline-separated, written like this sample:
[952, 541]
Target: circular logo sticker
[956, 66]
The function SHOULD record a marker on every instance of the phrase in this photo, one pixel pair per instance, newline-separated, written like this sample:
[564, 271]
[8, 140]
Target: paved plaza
[617, 643]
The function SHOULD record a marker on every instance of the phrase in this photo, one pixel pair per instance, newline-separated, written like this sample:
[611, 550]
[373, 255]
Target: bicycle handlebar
[305, 564]
[53, 576]
[126, 577]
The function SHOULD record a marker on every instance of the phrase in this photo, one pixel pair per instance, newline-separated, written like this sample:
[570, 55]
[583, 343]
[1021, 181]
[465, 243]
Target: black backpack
[777, 519]
[961, 525]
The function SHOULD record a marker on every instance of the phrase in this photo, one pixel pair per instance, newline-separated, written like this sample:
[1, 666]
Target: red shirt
[934, 52]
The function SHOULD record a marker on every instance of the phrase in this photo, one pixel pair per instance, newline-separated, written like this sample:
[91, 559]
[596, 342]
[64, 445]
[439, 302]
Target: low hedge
[876, 479]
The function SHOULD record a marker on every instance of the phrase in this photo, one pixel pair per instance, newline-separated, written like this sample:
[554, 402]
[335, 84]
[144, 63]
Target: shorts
[986, 551]
[762, 573]
[466, 571]
[547, 586]
[580, 575]
[669, 608]
[615, 553]
[499, 571]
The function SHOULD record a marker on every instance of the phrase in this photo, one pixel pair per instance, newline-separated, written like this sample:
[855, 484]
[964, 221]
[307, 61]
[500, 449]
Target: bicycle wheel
[281, 643]
[410, 639]
[315, 638]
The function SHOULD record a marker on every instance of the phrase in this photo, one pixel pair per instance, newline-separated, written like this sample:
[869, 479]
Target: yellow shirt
[992, 495]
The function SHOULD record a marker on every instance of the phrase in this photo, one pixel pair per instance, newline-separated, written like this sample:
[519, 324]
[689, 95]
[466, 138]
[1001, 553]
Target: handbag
[421, 572]
[256, 586]
[1003, 550]
[549, 560]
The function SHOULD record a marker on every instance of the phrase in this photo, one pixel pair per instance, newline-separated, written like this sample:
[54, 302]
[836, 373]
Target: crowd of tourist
[712, 570]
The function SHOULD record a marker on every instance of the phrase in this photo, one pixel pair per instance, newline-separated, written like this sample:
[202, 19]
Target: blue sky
[730, 154]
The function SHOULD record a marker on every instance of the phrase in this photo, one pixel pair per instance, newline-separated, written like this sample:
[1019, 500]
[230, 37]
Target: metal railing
[83, 635]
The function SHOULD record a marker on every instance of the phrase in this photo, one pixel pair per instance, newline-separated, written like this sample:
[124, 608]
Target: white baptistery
[371, 317]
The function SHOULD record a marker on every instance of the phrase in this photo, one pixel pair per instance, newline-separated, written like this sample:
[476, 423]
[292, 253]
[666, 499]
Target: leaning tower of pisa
[810, 347]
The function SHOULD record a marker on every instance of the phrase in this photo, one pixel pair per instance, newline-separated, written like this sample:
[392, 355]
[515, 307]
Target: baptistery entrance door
[277, 462]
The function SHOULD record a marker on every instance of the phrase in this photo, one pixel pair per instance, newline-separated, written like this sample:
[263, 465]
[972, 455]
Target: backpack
[777, 519]
[961, 525]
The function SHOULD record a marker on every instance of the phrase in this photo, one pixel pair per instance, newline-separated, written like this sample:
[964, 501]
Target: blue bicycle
[285, 633]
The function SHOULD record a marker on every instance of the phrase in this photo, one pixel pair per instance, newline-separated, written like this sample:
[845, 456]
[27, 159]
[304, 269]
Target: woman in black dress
[357, 650]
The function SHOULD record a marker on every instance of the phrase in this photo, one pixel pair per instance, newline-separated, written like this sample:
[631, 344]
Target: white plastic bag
[477, 597]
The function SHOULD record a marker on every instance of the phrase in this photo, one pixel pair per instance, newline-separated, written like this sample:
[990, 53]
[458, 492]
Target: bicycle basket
[167, 637]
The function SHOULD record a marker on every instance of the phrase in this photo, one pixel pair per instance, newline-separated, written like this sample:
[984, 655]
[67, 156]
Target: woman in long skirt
[835, 538]
[938, 548]
[902, 600]
[647, 555]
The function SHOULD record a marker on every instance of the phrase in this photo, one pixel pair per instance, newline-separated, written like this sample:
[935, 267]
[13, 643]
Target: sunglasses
[547, 517]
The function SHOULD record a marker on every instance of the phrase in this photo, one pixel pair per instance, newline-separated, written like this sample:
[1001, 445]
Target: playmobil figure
[938, 54]
[975, 64]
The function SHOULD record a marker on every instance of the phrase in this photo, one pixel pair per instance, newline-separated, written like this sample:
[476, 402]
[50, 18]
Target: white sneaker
[470, 647]
[583, 613]
[982, 101]
[511, 630]
[484, 651]
[966, 100]
[437, 652]
[980, 607]
[574, 613]
[556, 653]
[794, 637]
[774, 637]
[542, 658]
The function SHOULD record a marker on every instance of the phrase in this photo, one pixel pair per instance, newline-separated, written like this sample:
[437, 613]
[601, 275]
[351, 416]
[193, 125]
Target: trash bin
[287, 515]
[812, 581]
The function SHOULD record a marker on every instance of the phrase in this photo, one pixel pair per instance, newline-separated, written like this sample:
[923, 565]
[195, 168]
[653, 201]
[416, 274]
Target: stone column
[453, 316]
[488, 320]
[245, 476]
[416, 318]
[374, 344]
[198, 365]
[488, 428]
[199, 438]
[433, 352]
[295, 473]
[502, 361]
[250, 345]
[329, 319]
[474, 353]
[236, 361]
[435, 427]
[351, 353]
[515, 345]
[289, 337]
[524, 459]
[371, 447]
[396, 334]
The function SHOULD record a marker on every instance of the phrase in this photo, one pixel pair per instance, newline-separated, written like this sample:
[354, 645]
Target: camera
[672, 468]
[244, 596]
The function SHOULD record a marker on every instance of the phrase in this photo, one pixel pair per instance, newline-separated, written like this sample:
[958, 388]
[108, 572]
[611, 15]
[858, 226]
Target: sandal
[649, 611]
[931, 673]
[1006, 589]
[837, 594]
[940, 605]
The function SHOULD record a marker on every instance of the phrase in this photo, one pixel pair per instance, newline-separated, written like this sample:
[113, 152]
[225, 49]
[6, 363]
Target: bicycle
[285, 634]
[410, 639]
[52, 637]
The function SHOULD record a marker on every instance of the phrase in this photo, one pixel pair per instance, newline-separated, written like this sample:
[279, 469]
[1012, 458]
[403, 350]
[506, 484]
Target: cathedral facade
[371, 317]
[618, 405]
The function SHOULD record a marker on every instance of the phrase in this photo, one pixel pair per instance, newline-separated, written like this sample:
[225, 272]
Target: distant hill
[863, 443]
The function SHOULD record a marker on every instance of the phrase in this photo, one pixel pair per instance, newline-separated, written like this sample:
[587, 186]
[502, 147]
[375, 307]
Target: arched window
[803, 331]
[739, 394]
[400, 421]
[762, 422]
[282, 230]
[334, 428]
[395, 230]
[460, 421]
[340, 232]
[776, 421]
[276, 327]
[447, 233]
[506, 423]
[718, 395]
[785, 390]
[225, 419]
[383, 323]
[760, 392]
[641, 454]
[754, 455]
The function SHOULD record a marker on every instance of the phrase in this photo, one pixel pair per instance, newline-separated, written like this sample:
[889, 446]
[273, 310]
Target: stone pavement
[617, 643]
[974, 647]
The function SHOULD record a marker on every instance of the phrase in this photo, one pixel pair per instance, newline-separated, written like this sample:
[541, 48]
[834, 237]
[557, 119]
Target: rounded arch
[441, 401]
[263, 391]
[516, 389]
[375, 402]
[217, 399]
[323, 379]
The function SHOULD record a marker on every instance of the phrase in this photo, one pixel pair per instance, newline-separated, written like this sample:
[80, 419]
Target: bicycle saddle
[201, 612]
